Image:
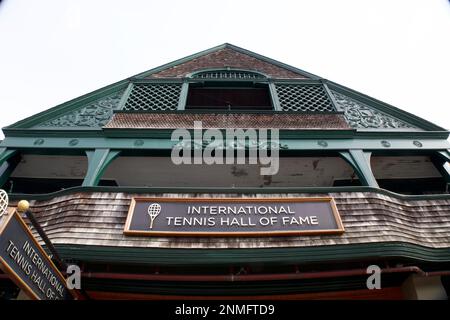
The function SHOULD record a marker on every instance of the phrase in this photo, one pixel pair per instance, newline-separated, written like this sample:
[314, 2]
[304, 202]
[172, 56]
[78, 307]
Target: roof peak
[227, 45]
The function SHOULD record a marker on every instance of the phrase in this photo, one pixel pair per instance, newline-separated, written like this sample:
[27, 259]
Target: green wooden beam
[237, 288]
[442, 162]
[242, 190]
[386, 108]
[223, 46]
[274, 95]
[160, 139]
[269, 256]
[183, 95]
[5, 155]
[125, 96]
[444, 155]
[7, 168]
[329, 94]
[98, 161]
[65, 107]
[444, 165]
[360, 161]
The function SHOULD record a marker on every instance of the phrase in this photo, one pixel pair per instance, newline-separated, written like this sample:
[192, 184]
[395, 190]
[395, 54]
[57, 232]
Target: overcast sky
[54, 50]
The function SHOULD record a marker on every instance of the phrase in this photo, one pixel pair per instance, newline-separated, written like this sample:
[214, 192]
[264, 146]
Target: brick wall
[227, 58]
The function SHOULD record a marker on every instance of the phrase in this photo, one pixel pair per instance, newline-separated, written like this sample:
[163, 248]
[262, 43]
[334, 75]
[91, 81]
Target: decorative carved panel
[361, 116]
[95, 114]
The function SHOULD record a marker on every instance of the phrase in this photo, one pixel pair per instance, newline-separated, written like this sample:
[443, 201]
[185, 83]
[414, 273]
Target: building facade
[84, 166]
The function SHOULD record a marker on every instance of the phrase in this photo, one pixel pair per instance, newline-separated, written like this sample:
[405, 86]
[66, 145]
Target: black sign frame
[15, 277]
[335, 214]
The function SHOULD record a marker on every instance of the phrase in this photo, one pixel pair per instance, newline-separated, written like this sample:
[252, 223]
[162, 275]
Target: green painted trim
[98, 161]
[197, 71]
[20, 128]
[267, 256]
[4, 176]
[5, 154]
[442, 162]
[329, 94]
[158, 80]
[273, 61]
[445, 154]
[137, 133]
[231, 191]
[236, 288]
[179, 61]
[160, 139]
[360, 161]
[387, 108]
[298, 81]
[446, 174]
[395, 133]
[220, 47]
[65, 107]
[222, 111]
[183, 96]
[53, 132]
[125, 96]
[283, 134]
[274, 96]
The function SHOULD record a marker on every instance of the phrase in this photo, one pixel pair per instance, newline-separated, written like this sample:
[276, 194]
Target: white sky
[397, 51]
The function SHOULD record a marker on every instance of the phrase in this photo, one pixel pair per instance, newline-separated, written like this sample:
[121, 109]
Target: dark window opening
[293, 171]
[229, 97]
[38, 174]
[352, 182]
[414, 186]
[42, 185]
[412, 175]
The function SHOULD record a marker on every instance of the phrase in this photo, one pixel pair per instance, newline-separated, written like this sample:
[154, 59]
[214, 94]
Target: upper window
[228, 90]
[228, 96]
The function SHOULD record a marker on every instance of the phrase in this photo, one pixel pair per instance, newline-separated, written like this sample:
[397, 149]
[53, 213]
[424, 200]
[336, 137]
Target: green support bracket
[6, 170]
[442, 163]
[446, 173]
[5, 155]
[98, 161]
[360, 161]
[444, 155]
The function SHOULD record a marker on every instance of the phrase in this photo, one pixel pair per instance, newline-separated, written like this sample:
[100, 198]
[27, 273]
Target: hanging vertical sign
[25, 261]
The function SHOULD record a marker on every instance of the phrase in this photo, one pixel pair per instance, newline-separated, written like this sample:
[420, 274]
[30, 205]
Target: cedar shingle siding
[257, 121]
[98, 218]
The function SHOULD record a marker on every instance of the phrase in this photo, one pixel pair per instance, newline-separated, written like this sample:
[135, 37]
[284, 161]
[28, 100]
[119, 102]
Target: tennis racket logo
[3, 202]
[153, 211]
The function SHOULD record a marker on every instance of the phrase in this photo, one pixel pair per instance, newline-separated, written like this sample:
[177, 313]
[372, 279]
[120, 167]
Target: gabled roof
[216, 57]
[92, 111]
